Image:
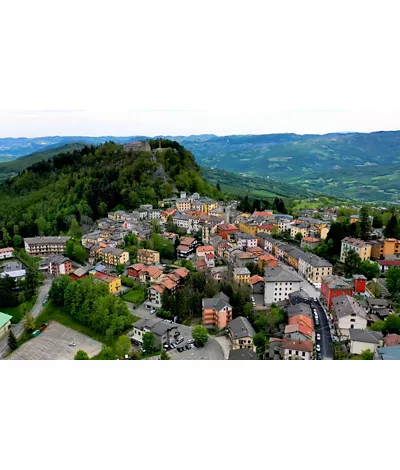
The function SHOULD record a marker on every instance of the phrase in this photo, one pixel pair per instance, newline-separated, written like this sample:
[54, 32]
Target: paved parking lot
[211, 351]
[53, 344]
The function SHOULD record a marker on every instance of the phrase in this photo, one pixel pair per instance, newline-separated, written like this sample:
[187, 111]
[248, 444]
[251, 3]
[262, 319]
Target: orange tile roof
[182, 272]
[301, 320]
[153, 272]
[254, 279]
[201, 263]
[107, 278]
[303, 329]
[187, 241]
[4, 250]
[255, 249]
[137, 266]
[210, 256]
[297, 345]
[267, 257]
[311, 239]
[158, 287]
[202, 249]
[168, 283]
[262, 214]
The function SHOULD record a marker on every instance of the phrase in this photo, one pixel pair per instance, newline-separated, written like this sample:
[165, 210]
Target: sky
[151, 123]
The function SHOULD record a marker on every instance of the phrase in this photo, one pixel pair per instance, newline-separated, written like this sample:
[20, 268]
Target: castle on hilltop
[141, 146]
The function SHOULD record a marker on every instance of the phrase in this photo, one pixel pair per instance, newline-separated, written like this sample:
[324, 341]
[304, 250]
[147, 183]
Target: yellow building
[113, 282]
[295, 229]
[382, 248]
[148, 257]
[324, 232]
[251, 229]
[241, 275]
[209, 205]
[114, 256]
[362, 248]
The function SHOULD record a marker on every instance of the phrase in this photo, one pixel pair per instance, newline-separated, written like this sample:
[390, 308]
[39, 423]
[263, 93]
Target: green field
[18, 312]
[136, 295]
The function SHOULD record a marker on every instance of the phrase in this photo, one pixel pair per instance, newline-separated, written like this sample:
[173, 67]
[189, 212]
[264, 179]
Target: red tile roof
[182, 272]
[187, 241]
[202, 249]
[158, 287]
[262, 214]
[4, 250]
[301, 320]
[392, 340]
[254, 279]
[137, 266]
[210, 256]
[311, 239]
[297, 344]
[389, 262]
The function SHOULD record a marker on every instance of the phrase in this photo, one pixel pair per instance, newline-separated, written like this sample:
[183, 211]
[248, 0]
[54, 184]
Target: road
[211, 351]
[324, 330]
[18, 329]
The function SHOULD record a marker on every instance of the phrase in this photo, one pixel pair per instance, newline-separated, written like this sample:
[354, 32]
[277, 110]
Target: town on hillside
[200, 279]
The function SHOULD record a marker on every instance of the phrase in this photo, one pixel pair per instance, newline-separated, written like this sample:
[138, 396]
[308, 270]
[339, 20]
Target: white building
[279, 283]
[6, 253]
[349, 314]
[361, 340]
[297, 349]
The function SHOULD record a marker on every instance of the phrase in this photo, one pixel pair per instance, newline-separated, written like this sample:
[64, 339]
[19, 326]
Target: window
[290, 351]
[303, 354]
[297, 353]
[351, 326]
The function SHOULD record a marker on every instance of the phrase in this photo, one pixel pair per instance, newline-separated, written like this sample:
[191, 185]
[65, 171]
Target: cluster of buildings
[385, 251]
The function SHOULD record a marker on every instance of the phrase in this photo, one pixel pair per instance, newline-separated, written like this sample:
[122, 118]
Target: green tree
[299, 236]
[21, 298]
[107, 354]
[392, 228]
[12, 341]
[248, 309]
[367, 355]
[31, 281]
[122, 346]
[200, 335]
[76, 251]
[74, 229]
[6, 238]
[393, 280]
[218, 187]
[377, 221]
[148, 342]
[365, 223]
[352, 263]
[81, 356]
[164, 356]
[29, 322]
[378, 326]
[58, 289]
[392, 324]
[102, 209]
[369, 269]
[120, 268]
[260, 342]
[17, 241]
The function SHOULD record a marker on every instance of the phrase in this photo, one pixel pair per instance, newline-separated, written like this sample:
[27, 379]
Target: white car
[318, 337]
[190, 341]
[318, 348]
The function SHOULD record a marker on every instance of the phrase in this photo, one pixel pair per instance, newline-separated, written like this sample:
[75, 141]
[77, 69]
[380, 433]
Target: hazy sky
[119, 123]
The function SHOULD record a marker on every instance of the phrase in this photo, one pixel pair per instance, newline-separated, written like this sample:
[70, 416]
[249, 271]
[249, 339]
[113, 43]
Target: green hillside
[12, 168]
[85, 184]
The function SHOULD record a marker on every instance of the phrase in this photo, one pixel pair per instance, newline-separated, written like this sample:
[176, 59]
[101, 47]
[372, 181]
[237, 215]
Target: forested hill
[85, 184]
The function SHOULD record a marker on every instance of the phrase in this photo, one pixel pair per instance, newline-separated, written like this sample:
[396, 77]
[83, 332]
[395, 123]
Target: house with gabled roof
[216, 311]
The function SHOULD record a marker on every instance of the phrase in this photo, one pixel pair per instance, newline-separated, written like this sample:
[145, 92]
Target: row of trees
[247, 205]
[90, 303]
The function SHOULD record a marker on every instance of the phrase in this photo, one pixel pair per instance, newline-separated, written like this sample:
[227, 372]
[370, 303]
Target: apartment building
[225, 229]
[216, 311]
[279, 283]
[334, 286]
[362, 248]
[59, 265]
[113, 282]
[154, 294]
[313, 268]
[241, 333]
[148, 257]
[44, 246]
[6, 253]
[241, 275]
[183, 205]
[380, 249]
[114, 256]
[245, 240]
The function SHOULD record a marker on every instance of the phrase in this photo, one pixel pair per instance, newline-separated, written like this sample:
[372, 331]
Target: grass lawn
[18, 312]
[136, 295]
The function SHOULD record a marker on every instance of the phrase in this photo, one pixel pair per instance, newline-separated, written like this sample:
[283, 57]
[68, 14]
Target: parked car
[190, 341]
[176, 334]
[152, 311]
[316, 321]
[318, 348]
[318, 337]
[180, 340]
[319, 357]
[72, 345]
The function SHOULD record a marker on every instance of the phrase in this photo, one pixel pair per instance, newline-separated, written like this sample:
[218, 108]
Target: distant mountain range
[355, 165]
